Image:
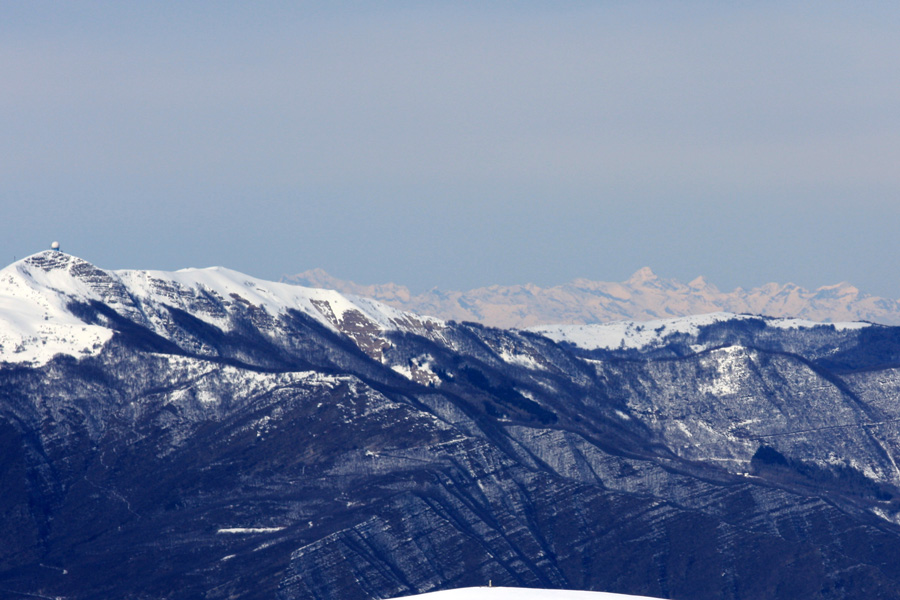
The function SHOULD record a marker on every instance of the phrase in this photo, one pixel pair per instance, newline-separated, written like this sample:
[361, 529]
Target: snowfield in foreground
[507, 593]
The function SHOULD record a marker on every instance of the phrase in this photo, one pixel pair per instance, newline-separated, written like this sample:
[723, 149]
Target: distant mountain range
[642, 297]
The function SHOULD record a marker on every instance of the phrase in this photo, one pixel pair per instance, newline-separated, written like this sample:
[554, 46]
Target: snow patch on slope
[250, 529]
[731, 367]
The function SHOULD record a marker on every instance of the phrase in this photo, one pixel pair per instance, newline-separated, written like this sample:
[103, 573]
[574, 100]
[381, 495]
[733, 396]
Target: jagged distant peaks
[643, 275]
[700, 283]
[642, 297]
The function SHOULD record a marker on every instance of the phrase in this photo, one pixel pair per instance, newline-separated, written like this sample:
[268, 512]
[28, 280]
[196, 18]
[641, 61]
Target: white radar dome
[54, 246]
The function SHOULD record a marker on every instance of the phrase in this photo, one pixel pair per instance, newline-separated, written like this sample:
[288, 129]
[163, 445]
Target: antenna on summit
[55, 246]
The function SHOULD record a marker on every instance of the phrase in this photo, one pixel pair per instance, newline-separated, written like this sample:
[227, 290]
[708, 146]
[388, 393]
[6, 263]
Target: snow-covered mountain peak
[40, 298]
[35, 323]
[61, 272]
[643, 275]
[700, 285]
[843, 291]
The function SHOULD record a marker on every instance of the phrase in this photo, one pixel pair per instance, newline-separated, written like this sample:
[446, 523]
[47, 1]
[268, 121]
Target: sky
[457, 144]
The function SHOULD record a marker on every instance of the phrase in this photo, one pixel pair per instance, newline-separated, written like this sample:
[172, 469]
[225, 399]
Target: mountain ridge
[229, 437]
[50, 281]
[642, 297]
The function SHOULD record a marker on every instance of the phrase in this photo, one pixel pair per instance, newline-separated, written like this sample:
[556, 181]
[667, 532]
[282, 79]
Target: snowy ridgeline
[37, 321]
[641, 334]
[505, 593]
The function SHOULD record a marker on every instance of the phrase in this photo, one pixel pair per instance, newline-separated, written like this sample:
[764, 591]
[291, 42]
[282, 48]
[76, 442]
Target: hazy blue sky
[457, 144]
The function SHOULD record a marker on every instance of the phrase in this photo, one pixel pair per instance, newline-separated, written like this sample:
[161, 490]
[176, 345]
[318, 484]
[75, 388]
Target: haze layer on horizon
[457, 146]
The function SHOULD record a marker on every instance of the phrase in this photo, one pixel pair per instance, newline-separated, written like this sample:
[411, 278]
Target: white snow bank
[506, 593]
